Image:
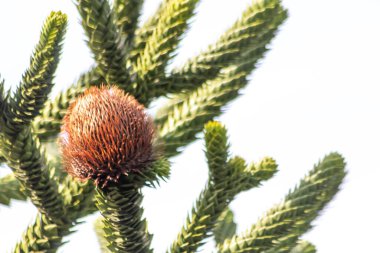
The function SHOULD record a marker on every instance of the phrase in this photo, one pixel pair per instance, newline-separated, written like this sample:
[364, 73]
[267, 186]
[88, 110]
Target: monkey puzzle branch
[125, 230]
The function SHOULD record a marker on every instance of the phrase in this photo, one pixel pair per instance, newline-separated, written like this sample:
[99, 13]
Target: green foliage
[42, 236]
[213, 200]
[127, 13]
[143, 33]
[124, 228]
[22, 150]
[185, 114]
[252, 32]
[36, 82]
[293, 216]
[226, 180]
[216, 149]
[104, 41]
[99, 227]
[18, 145]
[136, 59]
[304, 247]
[48, 123]
[10, 189]
[46, 235]
[225, 227]
[171, 23]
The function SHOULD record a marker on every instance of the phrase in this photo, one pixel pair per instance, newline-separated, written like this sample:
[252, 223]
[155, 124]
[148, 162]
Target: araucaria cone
[106, 135]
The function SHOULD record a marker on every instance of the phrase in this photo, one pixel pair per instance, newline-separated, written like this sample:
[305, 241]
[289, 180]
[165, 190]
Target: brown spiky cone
[106, 134]
[107, 137]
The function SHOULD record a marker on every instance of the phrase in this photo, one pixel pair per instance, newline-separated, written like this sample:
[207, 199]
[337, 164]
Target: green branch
[213, 200]
[37, 80]
[293, 216]
[143, 34]
[99, 230]
[178, 124]
[225, 226]
[45, 235]
[19, 147]
[127, 13]
[105, 41]
[36, 83]
[151, 177]
[184, 116]
[10, 189]
[304, 247]
[124, 228]
[158, 51]
[226, 180]
[28, 162]
[42, 236]
[291, 245]
[252, 32]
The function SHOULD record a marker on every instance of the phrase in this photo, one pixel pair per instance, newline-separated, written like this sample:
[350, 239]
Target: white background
[315, 92]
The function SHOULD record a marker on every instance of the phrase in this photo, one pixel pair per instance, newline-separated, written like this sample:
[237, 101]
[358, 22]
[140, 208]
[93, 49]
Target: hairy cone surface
[106, 134]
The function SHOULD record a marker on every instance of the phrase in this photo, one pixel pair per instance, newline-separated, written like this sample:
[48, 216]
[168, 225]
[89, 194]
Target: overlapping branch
[171, 22]
[45, 235]
[252, 32]
[19, 146]
[127, 13]
[226, 180]
[225, 226]
[10, 189]
[104, 41]
[293, 216]
[37, 80]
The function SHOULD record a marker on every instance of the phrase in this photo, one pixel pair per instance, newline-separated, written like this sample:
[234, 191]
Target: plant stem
[124, 228]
